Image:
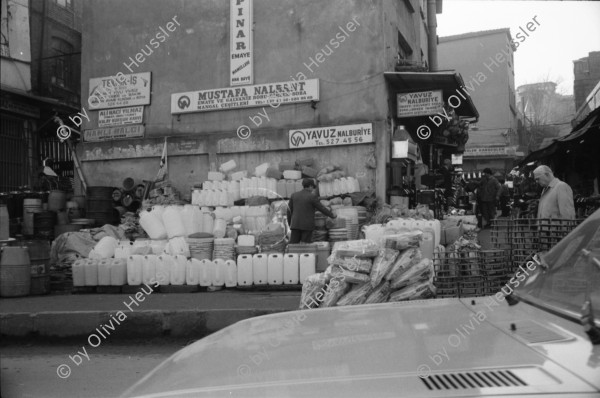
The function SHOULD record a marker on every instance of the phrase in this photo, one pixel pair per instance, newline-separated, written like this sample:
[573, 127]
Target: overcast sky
[568, 30]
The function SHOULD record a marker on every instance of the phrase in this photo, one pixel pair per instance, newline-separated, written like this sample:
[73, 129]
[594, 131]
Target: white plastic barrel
[290, 187]
[91, 272]
[231, 278]
[118, 272]
[275, 269]
[259, 269]
[207, 222]
[220, 273]
[149, 265]
[104, 272]
[244, 270]
[307, 266]
[178, 272]
[163, 269]
[204, 273]
[192, 272]
[272, 188]
[172, 221]
[134, 269]
[427, 244]
[123, 249]
[219, 228]
[153, 225]
[291, 269]
[78, 268]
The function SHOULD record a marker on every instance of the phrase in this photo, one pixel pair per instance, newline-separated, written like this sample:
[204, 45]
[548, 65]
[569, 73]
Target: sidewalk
[156, 314]
[147, 315]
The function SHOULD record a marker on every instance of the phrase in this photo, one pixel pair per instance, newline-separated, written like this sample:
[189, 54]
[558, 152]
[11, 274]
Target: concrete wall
[489, 81]
[288, 35]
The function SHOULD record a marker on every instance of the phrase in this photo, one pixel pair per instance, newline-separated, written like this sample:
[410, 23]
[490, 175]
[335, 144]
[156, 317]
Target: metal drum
[15, 272]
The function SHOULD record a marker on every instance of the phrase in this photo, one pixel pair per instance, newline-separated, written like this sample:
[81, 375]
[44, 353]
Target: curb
[126, 324]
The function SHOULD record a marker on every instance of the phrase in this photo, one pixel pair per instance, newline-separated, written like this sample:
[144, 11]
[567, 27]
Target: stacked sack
[361, 272]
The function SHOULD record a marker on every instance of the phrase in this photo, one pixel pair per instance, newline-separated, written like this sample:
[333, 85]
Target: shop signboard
[274, 94]
[240, 38]
[489, 151]
[331, 136]
[114, 133]
[457, 159]
[420, 103]
[120, 116]
[119, 91]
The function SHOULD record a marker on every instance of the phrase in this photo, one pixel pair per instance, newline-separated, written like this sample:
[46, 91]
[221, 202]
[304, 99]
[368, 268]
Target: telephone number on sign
[334, 141]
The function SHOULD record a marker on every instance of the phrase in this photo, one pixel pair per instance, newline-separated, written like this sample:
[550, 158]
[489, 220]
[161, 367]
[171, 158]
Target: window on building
[581, 67]
[64, 3]
[62, 70]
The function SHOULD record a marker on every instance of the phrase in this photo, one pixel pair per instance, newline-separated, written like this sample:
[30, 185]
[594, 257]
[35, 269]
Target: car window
[572, 275]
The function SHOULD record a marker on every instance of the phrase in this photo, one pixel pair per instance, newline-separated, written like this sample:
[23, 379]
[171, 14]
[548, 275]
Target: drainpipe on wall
[432, 37]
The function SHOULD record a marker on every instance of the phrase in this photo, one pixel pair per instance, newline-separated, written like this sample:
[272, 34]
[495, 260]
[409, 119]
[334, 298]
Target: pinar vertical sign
[240, 22]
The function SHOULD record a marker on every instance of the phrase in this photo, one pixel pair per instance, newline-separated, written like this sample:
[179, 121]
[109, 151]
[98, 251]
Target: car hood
[444, 347]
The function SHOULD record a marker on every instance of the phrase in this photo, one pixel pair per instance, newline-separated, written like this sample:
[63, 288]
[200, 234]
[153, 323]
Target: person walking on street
[301, 212]
[557, 197]
[504, 198]
[488, 194]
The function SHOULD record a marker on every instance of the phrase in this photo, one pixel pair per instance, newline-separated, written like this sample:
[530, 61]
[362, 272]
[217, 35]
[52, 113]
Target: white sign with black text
[220, 99]
[120, 116]
[110, 92]
[114, 133]
[240, 35]
[421, 103]
[332, 135]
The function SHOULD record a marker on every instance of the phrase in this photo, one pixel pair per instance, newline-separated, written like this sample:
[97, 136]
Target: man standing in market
[301, 212]
[557, 197]
[488, 194]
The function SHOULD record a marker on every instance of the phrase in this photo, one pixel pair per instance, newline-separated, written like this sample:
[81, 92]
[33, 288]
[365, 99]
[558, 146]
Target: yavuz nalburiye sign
[332, 135]
[245, 97]
[420, 103]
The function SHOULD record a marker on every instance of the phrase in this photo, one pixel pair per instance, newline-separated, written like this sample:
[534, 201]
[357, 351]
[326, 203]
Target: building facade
[485, 60]
[546, 114]
[587, 74]
[216, 91]
[40, 48]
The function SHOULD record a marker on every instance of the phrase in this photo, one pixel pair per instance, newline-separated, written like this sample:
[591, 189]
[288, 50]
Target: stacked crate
[495, 269]
[525, 240]
[470, 273]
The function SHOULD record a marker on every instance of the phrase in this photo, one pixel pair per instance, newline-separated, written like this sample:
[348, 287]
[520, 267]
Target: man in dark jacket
[301, 212]
[488, 194]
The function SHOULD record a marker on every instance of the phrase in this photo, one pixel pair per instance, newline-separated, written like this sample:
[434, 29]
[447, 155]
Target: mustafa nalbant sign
[219, 99]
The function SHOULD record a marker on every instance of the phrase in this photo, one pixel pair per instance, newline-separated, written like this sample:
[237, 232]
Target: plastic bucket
[57, 200]
[15, 272]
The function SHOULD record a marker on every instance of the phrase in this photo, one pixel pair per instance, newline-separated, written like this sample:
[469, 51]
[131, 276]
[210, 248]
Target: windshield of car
[569, 274]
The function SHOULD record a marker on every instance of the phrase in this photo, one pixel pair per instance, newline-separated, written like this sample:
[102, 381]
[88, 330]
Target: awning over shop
[451, 83]
[590, 126]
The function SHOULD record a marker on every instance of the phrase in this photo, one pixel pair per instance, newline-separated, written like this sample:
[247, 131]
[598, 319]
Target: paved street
[30, 370]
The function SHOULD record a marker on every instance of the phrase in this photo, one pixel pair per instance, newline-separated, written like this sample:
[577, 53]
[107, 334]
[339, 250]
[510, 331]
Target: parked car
[537, 345]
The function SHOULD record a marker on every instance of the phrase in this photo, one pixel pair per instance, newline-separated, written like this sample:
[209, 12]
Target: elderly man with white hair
[557, 197]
